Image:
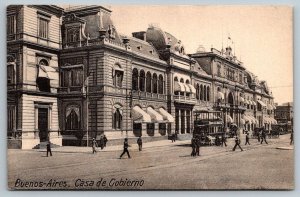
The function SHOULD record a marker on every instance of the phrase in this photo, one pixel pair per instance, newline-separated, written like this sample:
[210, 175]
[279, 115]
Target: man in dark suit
[247, 139]
[237, 143]
[125, 150]
[223, 140]
[263, 136]
[140, 143]
[49, 148]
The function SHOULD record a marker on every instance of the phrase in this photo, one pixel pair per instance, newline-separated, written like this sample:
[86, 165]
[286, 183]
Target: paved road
[164, 167]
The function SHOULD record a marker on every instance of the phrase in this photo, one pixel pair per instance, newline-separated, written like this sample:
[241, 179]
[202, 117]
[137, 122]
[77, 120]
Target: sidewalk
[79, 149]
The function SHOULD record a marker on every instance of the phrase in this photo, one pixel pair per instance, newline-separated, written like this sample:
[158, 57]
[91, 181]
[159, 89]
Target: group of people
[221, 141]
[102, 143]
[126, 145]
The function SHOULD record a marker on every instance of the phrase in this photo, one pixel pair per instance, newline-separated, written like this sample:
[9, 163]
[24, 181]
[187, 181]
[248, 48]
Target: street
[169, 166]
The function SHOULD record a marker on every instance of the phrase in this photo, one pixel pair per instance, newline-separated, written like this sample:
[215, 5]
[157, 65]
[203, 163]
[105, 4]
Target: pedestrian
[224, 140]
[94, 145]
[259, 135]
[101, 142]
[173, 137]
[140, 143]
[193, 145]
[198, 143]
[217, 140]
[49, 148]
[263, 136]
[292, 137]
[247, 138]
[105, 140]
[125, 148]
[237, 143]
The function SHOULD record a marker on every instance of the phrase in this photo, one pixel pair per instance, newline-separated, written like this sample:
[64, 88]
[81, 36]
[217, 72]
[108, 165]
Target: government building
[71, 77]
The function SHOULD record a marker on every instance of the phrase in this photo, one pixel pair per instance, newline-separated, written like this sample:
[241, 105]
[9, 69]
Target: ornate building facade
[72, 77]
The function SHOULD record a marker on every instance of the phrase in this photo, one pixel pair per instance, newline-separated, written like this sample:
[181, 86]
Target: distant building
[284, 113]
[73, 77]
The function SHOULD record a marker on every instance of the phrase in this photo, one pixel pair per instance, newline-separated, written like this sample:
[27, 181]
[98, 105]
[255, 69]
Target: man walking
[224, 140]
[105, 140]
[263, 136]
[101, 142]
[237, 143]
[198, 143]
[125, 149]
[140, 143]
[247, 138]
[193, 144]
[292, 137]
[94, 145]
[49, 149]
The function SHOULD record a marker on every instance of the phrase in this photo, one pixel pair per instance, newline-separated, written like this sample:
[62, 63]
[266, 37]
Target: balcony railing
[140, 94]
[185, 99]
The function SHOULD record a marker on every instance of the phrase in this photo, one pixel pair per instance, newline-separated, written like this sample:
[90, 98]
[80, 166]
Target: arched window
[160, 84]
[43, 81]
[135, 78]
[148, 82]
[117, 117]
[208, 93]
[204, 93]
[175, 80]
[197, 91]
[201, 92]
[154, 83]
[187, 93]
[72, 118]
[142, 80]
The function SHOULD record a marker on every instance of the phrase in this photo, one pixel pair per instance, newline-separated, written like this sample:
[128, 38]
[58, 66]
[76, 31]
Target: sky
[261, 36]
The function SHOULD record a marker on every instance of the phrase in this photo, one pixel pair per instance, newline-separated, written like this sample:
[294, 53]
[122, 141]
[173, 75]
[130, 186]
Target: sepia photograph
[150, 97]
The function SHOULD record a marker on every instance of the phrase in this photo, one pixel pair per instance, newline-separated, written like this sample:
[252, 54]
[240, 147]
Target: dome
[200, 49]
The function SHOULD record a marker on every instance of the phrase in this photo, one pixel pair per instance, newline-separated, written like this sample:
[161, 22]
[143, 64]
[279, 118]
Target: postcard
[144, 97]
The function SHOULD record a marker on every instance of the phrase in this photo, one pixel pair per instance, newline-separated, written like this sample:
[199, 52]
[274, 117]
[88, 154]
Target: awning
[242, 121]
[155, 116]
[187, 88]
[192, 88]
[267, 120]
[229, 119]
[273, 121]
[139, 115]
[167, 117]
[242, 99]
[247, 119]
[254, 103]
[254, 120]
[261, 103]
[274, 107]
[247, 102]
[269, 107]
[179, 87]
[221, 96]
[48, 72]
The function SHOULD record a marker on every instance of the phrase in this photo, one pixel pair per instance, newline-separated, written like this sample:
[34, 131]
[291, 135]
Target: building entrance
[43, 124]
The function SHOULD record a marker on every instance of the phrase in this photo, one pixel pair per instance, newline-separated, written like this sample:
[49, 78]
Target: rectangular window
[10, 74]
[43, 28]
[11, 25]
[10, 118]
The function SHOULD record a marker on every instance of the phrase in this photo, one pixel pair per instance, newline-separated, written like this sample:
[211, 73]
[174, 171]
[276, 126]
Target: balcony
[185, 99]
[149, 95]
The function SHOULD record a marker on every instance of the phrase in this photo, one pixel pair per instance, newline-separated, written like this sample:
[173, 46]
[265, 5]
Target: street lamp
[87, 109]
